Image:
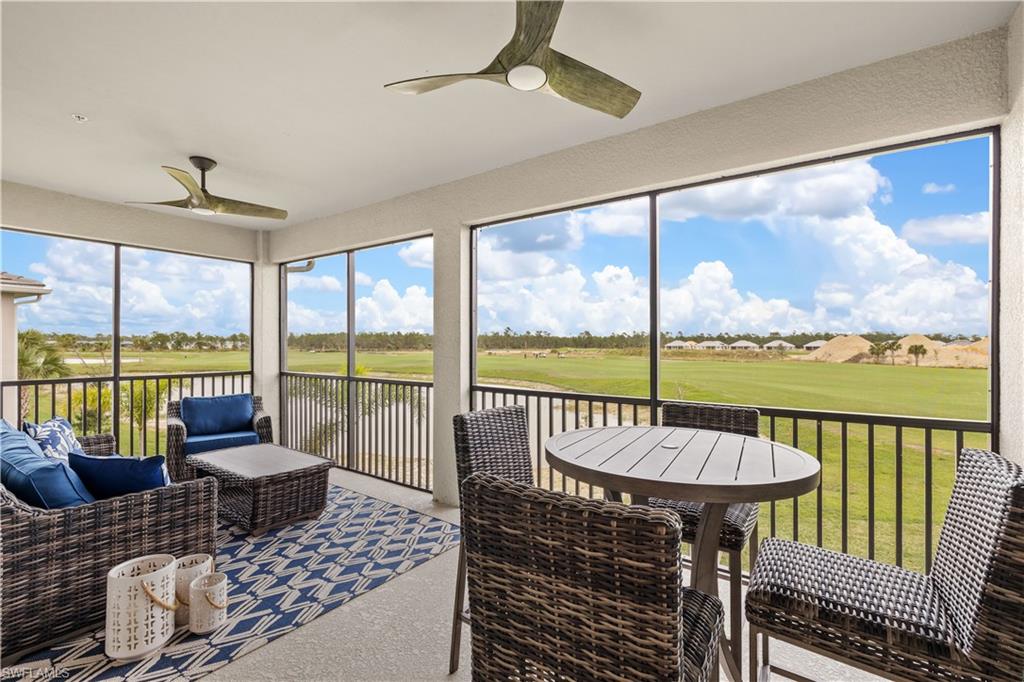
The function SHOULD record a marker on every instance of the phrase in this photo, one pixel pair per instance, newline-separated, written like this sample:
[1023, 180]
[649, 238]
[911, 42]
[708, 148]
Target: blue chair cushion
[56, 437]
[36, 479]
[221, 414]
[112, 476]
[219, 441]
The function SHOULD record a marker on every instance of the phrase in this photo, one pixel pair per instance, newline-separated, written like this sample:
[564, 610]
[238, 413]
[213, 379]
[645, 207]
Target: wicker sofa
[177, 434]
[55, 561]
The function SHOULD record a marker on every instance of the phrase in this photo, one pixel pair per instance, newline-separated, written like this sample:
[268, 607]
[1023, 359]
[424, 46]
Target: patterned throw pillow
[55, 437]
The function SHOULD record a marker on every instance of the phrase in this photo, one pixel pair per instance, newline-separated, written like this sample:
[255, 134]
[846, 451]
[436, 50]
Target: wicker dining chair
[567, 588]
[495, 441]
[964, 620]
[740, 522]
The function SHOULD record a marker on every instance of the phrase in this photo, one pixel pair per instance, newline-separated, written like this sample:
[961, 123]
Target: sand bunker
[840, 349]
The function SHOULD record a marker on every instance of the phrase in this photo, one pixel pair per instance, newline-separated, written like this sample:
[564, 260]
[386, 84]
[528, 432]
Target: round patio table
[697, 465]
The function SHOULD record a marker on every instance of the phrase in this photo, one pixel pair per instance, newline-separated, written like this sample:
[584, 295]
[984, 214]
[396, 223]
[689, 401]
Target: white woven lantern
[208, 603]
[140, 606]
[188, 569]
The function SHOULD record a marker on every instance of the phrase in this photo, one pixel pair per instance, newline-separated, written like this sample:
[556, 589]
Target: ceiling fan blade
[418, 86]
[583, 84]
[535, 24]
[189, 183]
[244, 208]
[177, 203]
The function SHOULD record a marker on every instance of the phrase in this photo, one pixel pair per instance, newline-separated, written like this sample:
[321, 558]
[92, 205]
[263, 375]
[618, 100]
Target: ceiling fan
[202, 202]
[527, 62]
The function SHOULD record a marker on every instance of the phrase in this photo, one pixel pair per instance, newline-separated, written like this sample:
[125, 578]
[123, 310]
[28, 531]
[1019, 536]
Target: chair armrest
[176, 466]
[100, 445]
[55, 561]
[263, 426]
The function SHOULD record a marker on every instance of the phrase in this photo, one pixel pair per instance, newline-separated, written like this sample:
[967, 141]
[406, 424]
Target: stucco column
[265, 334]
[451, 351]
[1011, 251]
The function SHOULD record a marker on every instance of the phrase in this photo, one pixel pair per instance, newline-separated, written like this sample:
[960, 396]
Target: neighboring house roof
[711, 344]
[817, 343]
[743, 343]
[16, 284]
[779, 343]
[959, 342]
[680, 344]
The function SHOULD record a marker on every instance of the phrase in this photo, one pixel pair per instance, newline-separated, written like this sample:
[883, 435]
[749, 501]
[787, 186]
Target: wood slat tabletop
[683, 463]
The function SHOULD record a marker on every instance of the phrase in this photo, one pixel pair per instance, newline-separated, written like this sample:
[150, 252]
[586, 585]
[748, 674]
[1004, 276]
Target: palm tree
[37, 360]
[892, 347]
[878, 351]
[917, 350]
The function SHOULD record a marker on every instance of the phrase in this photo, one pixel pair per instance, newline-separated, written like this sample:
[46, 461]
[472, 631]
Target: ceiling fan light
[203, 211]
[526, 77]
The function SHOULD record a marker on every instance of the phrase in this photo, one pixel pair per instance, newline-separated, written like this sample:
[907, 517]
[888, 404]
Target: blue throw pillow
[55, 437]
[222, 414]
[112, 476]
[36, 479]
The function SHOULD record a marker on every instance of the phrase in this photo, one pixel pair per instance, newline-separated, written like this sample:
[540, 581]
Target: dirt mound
[841, 349]
[917, 340]
[981, 346]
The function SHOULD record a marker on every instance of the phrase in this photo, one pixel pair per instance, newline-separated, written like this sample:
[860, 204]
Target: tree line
[103, 343]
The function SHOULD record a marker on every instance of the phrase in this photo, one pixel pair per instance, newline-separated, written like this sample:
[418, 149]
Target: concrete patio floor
[399, 632]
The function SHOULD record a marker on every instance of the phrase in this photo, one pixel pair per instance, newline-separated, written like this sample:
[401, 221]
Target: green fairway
[906, 390]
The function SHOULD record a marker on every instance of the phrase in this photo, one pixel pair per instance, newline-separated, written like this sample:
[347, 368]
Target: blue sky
[896, 242]
[160, 291]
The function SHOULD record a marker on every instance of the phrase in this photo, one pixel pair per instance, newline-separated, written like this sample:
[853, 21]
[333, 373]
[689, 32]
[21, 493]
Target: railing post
[116, 357]
[350, 363]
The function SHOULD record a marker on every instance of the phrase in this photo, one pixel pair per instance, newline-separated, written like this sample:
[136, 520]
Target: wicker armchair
[55, 562]
[495, 441]
[740, 523]
[566, 588]
[962, 621]
[176, 435]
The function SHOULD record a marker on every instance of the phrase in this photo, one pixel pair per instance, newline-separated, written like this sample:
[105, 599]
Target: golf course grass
[753, 379]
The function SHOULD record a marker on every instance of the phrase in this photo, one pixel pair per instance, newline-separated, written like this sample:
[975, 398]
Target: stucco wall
[1011, 247]
[42, 210]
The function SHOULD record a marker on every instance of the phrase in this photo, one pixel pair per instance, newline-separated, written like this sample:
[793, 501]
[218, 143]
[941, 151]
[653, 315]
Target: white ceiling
[288, 98]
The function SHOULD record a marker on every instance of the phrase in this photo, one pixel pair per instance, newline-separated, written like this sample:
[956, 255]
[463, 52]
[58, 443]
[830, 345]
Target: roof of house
[743, 343]
[16, 284]
[711, 343]
[817, 343]
[679, 344]
[779, 343]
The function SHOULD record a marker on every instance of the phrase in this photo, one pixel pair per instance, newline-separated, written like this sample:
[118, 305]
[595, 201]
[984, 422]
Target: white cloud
[322, 283]
[877, 278]
[972, 228]
[388, 310]
[619, 219]
[935, 188]
[302, 320]
[418, 253]
[362, 279]
[160, 291]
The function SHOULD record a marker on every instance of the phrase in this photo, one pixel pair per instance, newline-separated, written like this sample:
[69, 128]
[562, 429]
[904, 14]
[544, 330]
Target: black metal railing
[885, 481]
[378, 427]
[132, 407]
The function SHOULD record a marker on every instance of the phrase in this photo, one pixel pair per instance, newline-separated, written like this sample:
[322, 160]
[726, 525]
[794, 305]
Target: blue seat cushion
[112, 476]
[220, 414]
[36, 479]
[219, 441]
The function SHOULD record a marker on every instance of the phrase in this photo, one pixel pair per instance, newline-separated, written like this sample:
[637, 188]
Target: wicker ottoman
[265, 486]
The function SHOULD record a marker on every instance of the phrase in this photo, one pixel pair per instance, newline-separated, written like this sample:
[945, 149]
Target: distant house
[814, 345]
[959, 342]
[779, 344]
[711, 345]
[743, 344]
[679, 344]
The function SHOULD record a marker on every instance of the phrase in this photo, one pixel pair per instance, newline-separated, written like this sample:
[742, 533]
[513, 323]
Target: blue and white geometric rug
[279, 582]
